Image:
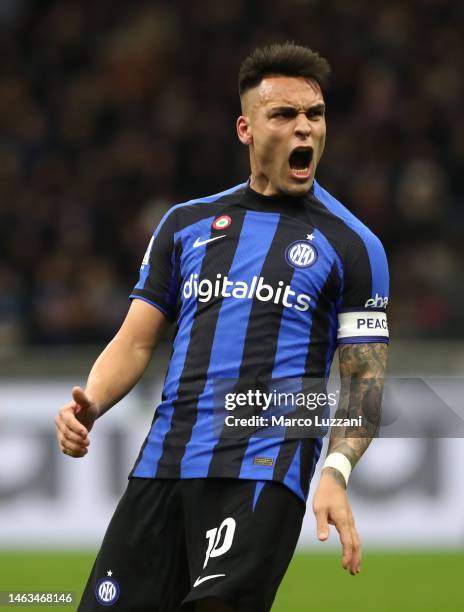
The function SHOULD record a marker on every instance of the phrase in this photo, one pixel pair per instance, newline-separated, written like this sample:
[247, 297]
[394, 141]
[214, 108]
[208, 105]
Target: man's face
[283, 123]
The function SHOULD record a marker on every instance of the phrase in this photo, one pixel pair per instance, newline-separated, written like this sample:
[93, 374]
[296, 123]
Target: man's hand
[331, 506]
[74, 422]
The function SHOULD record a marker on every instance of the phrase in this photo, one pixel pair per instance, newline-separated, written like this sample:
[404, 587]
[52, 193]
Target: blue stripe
[148, 464]
[375, 250]
[144, 271]
[229, 337]
[363, 339]
[259, 487]
[191, 262]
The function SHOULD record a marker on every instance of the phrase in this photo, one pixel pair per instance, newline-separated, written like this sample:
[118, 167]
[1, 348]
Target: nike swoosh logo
[199, 580]
[198, 242]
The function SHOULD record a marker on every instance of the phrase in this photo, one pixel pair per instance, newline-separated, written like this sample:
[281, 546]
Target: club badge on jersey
[107, 590]
[301, 254]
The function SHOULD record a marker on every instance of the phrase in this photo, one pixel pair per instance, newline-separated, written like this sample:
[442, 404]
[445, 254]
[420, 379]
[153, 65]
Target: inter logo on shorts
[107, 591]
[222, 222]
[301, 254]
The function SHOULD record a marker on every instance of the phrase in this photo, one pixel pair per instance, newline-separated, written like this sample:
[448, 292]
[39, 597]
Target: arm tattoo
[362, 372]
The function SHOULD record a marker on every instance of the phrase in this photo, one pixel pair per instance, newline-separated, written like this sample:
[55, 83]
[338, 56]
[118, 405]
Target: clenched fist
[74, 422]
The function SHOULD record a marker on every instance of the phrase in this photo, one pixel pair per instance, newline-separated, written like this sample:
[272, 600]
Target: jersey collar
[293, 206]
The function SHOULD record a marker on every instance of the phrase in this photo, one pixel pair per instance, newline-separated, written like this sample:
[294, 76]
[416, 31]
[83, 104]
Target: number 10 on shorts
[224, 532]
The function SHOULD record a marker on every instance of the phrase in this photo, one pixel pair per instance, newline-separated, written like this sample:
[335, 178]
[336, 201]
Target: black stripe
[179, 282]
[260, 346]
[145, 442]
[347, 243]
[307, 459]
[285, 457]
[318, 347]
[319, 341]
[193, 378]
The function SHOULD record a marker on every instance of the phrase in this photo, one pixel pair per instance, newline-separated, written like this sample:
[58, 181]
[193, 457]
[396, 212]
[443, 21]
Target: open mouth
[300, 162]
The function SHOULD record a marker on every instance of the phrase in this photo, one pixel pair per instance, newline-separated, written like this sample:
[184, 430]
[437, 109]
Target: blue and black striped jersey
[263, 288]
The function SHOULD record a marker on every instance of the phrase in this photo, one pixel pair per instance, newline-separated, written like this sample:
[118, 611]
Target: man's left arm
[362, 371]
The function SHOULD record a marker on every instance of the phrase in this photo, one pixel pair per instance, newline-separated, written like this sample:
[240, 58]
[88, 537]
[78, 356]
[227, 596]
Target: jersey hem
[135, 296]
[165, 475]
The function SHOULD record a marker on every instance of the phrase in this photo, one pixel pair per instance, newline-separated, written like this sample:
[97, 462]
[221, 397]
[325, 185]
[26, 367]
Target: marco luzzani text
[266, 401]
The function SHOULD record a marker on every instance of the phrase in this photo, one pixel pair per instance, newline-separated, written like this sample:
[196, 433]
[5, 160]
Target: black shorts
[171, 543]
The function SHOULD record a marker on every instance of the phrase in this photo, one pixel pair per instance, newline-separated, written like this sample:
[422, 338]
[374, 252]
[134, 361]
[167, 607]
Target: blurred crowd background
[112, 111]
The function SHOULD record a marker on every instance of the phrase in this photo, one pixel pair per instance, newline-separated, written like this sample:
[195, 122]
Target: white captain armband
[362, 326]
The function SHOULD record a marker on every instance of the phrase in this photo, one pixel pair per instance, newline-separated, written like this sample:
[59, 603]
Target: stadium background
[111, 111]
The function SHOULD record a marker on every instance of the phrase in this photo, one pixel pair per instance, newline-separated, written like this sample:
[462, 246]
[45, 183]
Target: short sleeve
[157, 281]
[362, 306]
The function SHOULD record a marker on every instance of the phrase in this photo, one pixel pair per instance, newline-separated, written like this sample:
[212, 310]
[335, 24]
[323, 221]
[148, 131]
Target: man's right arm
[113, 375]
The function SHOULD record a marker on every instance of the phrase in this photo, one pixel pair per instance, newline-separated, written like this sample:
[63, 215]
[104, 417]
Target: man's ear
[244, 130]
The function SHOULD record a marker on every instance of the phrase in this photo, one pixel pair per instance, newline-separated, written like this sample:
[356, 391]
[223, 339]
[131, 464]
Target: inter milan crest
[301, 254]
[107, 590]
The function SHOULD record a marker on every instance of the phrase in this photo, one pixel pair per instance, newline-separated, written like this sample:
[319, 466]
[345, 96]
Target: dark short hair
[282, 60]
